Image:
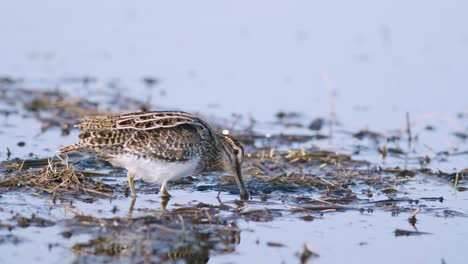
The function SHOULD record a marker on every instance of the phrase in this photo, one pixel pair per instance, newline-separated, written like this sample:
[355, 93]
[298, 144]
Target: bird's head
[232, 158]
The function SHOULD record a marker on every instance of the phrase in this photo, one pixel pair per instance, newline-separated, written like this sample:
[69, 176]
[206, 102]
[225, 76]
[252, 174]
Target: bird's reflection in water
[173, 235]
[163, 205]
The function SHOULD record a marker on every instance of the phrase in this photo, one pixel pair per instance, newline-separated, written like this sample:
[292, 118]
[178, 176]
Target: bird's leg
[165, 195]
[164, 191]
[132, 206]
[164, 202]
[130, 177]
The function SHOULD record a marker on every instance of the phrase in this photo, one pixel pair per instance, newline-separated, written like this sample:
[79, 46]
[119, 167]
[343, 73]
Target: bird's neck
[213, 158]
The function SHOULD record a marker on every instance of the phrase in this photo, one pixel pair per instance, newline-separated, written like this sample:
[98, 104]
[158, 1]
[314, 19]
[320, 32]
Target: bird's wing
[147, 121]
[163, 119]
[179, 143]
[170, 135]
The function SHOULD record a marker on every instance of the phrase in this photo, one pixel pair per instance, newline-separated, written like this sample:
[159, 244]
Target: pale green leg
[130, 177]
[164, 191]
[164, 202]
[132, 206]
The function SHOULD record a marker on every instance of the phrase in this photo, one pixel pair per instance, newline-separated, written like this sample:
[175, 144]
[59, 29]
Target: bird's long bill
[240, 183]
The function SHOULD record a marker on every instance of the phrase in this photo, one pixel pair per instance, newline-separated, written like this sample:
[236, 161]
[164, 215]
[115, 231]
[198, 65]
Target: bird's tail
[70, 148]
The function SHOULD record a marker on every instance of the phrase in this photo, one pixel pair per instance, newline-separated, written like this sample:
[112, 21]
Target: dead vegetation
[55, 108]
[57, 178]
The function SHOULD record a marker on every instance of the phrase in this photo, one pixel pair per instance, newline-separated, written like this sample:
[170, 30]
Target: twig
[331, 95]
[455, 184]
[320, 208]
[413, 215]
[91, 173]
[167, 229]
[182, 223]
[307, 252]
[209, 216]
[73, 210]
[327, 182]
[96, 192]
[322, 201]
[21, 167]
[408, 128]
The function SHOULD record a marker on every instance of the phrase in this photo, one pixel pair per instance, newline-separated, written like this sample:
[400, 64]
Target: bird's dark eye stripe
[236, 151]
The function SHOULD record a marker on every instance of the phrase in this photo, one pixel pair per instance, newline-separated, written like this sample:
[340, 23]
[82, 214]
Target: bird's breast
[156, 170]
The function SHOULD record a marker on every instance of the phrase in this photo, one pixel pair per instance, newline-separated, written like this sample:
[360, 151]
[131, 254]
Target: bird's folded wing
[180, 143]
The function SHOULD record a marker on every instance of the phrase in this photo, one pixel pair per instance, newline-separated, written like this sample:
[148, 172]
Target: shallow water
[268, 229]
[337, 236]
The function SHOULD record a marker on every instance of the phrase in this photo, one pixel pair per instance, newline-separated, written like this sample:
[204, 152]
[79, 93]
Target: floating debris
[306, 253]
[401, 232]
[25, 222]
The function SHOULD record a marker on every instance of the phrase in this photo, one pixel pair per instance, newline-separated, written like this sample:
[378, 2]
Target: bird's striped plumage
[160, 146]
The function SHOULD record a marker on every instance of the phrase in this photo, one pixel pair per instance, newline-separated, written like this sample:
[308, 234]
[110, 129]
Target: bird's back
[162, 135]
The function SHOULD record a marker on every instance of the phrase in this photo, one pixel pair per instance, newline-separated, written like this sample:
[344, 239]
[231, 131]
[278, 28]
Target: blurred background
[377, 60]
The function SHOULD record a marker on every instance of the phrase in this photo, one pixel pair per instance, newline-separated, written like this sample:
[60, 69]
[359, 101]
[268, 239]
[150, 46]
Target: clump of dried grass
[305, 168]
[56, 178]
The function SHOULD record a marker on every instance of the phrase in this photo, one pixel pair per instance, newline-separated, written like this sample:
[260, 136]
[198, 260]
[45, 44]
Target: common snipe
[161, 146]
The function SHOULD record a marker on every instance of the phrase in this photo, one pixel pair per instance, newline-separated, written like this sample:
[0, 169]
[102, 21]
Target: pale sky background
[383, 57]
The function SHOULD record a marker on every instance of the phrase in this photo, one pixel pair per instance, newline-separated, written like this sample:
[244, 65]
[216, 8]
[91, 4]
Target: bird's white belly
[156, 171]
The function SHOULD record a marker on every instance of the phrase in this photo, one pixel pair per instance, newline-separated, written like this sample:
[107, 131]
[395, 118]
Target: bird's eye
[235, 151]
